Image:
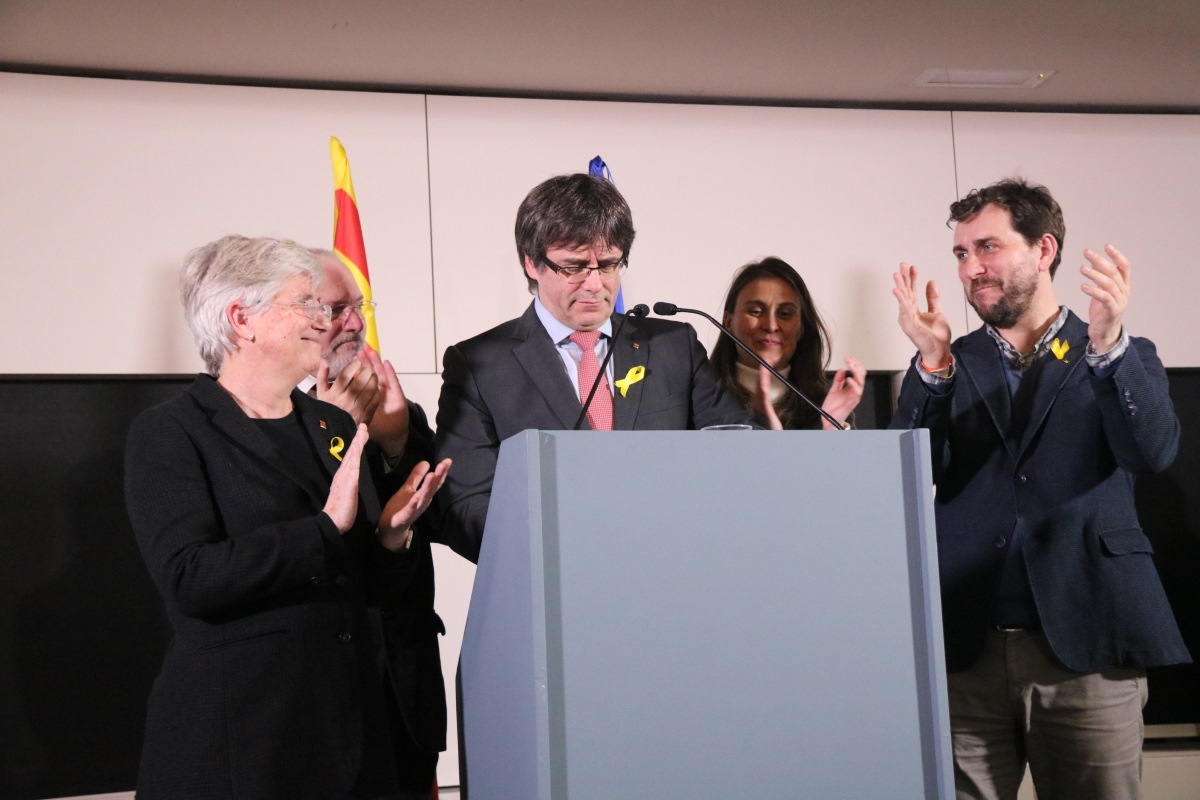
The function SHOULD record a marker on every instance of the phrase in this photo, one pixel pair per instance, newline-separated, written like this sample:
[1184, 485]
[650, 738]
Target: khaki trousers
[1081, 734]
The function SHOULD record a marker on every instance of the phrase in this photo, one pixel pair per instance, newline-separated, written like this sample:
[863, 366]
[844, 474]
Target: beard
[342, 350]
[1015, 299]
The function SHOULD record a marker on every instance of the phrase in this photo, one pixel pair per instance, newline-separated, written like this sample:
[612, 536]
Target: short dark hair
[1033, 210]
[570, 211]
[809, 362]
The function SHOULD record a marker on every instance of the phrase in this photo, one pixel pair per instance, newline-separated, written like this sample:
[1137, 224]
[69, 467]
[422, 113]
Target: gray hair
[236, 269]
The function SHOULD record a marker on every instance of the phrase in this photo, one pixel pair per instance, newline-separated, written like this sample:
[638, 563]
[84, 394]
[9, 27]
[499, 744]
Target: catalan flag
[347, 235]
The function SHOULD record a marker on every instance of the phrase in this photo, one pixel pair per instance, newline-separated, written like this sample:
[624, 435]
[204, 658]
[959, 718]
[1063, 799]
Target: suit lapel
[1053, 375]
[230, 420]
[632, 351]
[979, 361]
[324, 434]
[328, 434]
[538, 356]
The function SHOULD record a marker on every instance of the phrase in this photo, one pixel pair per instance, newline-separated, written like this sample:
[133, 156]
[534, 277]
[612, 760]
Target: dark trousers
[416, 768]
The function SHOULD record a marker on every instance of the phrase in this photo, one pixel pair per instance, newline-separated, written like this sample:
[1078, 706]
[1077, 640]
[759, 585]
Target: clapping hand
[410, 502]
[760, 403]
[368, 390]
[342, 504]
[928, 330]
[355, 389]
[1110, 295]
[845, 392]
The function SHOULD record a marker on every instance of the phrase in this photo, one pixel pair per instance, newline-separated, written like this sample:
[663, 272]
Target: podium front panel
[707, 614]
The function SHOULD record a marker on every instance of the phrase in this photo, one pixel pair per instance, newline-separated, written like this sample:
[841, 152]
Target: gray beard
[340, 356]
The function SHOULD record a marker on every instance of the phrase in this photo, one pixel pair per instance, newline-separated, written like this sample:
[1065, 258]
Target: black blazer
[408, 624]
[1065, 484]
[271, 686]
[511, 379]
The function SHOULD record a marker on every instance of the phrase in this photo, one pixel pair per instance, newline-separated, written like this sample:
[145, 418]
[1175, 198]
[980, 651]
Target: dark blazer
[511, 379]
[271, 686]
[1061, 475]
[409, 625]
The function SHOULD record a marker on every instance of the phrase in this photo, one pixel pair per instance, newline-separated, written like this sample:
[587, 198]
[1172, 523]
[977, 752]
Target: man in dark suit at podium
[573, 235]
[1038, 422]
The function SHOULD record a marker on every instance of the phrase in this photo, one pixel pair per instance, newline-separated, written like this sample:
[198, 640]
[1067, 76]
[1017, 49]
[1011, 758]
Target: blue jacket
[1064, 484]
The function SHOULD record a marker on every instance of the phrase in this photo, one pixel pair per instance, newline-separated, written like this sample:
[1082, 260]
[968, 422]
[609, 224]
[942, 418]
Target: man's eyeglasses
[364, 309]
[578, 274]
[309, 308]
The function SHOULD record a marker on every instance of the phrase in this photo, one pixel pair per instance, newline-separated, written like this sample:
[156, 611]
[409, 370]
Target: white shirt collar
[559, 332]
[307, 384]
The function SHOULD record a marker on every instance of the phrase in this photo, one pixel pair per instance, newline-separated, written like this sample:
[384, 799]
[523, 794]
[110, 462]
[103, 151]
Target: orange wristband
[930, 369]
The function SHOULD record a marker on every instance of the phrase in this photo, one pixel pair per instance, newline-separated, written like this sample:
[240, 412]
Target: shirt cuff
[940, 377]
[1099, 361]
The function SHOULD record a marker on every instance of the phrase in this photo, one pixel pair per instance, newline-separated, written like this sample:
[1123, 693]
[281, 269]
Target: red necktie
[600, 412]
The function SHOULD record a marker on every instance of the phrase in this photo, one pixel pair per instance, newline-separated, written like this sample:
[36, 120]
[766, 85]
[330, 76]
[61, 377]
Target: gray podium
[707, 614]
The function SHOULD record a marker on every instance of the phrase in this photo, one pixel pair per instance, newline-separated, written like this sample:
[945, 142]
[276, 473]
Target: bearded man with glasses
[357, 380]
[354, 377]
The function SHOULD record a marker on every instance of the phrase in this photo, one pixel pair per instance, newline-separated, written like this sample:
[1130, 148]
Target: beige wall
[109, 183]
[1132, 180]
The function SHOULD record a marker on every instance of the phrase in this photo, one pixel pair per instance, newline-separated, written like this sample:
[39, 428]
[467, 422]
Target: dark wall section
[82, 630]
[874, 411]
[1169, 508]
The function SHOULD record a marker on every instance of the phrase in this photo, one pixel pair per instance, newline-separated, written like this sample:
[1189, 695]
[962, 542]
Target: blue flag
[597, 167]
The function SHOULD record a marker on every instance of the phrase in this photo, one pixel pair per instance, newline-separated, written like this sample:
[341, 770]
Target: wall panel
[111, 182]
[1132, 180]
[842, 195]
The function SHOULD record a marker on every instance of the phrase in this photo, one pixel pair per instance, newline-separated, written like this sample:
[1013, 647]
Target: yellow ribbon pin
[1060, 349]
[336, 446]
[634, 375]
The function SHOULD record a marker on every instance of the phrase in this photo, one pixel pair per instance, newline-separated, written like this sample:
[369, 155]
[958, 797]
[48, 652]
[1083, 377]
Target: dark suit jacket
[271, 686]
[511, 379]
[1061, 475]
[410, 627]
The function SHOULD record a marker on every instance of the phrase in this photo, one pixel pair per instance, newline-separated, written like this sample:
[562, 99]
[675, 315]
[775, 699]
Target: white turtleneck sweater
[747, 378]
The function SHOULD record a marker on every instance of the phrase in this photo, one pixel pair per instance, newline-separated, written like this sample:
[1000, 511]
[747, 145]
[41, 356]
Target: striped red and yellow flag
[347, 234]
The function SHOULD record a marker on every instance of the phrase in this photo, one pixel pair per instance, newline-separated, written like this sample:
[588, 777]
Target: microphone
[640, 310]
[670, 310]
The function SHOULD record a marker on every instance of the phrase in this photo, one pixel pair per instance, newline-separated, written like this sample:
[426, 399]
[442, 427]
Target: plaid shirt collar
[1022, 362]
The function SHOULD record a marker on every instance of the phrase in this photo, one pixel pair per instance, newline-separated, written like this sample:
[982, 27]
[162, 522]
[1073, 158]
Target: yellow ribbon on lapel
[634, 375]
[1060, 349]
[336, 446]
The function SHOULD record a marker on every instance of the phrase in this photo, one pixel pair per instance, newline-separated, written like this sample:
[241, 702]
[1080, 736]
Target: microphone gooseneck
[670, 310]
[640, 310]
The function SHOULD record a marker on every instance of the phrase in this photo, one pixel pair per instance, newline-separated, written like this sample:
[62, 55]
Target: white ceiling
[1106, 54]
